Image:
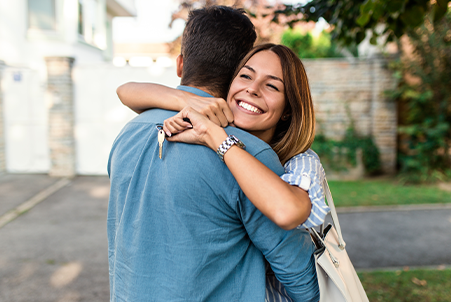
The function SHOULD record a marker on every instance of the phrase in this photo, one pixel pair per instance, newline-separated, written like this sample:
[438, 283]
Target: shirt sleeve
[290, 253]
[306, 168]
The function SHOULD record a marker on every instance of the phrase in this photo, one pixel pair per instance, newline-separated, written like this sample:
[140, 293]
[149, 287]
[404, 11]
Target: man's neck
[206, 89]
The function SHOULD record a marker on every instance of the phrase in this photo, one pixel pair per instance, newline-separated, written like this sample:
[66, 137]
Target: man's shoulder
[254, 145]
[258, 148]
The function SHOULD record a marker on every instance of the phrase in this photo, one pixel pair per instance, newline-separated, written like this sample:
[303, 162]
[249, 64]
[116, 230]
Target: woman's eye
[245, 76]
[273, 87]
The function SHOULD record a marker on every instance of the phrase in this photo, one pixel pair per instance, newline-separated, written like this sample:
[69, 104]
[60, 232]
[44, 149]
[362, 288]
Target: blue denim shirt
[180, 228]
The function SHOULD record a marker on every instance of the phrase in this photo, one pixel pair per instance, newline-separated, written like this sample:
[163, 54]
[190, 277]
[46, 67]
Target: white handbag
[337, 278]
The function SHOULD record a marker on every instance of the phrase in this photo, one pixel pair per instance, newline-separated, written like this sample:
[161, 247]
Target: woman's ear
[285, 116]
[179, 63]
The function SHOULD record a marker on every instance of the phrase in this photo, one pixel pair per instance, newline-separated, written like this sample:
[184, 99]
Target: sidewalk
[57, 251]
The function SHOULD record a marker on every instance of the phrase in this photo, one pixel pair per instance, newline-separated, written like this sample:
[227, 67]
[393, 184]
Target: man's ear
[179, 63]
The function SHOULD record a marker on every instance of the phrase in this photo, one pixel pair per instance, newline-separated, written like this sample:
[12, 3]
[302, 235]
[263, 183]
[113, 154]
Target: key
[161, 141]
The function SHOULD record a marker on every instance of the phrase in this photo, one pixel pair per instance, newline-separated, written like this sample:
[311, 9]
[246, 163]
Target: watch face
[238, 142]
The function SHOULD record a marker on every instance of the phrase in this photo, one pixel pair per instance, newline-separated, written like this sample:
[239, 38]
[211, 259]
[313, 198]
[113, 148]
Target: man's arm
[290, 253]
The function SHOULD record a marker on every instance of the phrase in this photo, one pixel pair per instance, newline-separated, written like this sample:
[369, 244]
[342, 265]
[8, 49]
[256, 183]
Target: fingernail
[189, 126]
[168, 133]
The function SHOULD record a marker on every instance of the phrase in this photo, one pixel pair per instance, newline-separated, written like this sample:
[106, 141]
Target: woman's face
[256, 96]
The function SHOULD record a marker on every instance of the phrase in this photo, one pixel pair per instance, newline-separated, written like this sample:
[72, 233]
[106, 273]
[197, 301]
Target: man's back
[180, 229]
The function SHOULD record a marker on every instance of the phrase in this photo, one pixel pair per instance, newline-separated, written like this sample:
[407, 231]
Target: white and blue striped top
[307, 165]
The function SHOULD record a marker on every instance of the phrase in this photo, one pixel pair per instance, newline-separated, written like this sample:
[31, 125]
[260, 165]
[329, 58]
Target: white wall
[99, 114]
[25, 121]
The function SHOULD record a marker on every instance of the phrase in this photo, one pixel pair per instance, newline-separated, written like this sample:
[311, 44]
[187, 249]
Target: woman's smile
[249, 107]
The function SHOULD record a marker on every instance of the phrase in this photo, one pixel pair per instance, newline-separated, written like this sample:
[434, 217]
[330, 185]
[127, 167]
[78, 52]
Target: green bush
[425, 103]
[307, 46]
[338, 155]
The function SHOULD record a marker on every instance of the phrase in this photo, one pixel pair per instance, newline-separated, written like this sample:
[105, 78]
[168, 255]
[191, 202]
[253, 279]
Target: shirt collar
[196, 91]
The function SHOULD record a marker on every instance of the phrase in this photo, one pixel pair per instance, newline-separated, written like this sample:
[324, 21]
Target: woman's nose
[252, 90]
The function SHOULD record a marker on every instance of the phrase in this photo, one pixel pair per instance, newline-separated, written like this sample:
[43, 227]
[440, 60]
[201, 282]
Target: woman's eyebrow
[269, 76]
[275, 78]
[250, 68]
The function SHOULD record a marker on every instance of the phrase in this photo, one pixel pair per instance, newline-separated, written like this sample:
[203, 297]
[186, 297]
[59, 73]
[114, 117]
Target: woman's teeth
[249, 107]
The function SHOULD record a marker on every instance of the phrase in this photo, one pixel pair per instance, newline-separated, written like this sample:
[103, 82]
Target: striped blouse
[305, 170]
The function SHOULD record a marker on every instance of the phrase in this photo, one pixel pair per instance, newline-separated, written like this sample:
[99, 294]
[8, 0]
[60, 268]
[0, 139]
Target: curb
[394, 208]
[33, 201]
[404, 268]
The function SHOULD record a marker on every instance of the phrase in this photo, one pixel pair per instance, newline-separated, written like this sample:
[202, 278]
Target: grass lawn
[408, 286]
[375, 192]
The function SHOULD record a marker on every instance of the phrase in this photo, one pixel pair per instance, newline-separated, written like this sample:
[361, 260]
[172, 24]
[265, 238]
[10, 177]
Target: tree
[352, 20]
[260, 13]
[424, 100]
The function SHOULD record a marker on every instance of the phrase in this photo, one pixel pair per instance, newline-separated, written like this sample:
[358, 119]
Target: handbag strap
[333, 213]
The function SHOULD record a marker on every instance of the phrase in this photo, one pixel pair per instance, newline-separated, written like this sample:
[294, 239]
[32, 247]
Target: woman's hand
[200, 130]
[215, 109]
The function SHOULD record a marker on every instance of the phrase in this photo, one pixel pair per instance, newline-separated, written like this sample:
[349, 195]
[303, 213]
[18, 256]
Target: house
[41, 41]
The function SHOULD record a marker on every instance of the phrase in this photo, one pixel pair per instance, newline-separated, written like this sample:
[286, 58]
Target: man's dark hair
[215, 39]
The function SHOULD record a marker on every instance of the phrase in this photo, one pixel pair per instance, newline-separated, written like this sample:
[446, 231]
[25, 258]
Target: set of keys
[162, 136]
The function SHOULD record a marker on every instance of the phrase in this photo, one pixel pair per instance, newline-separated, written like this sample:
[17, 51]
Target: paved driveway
[57, 251]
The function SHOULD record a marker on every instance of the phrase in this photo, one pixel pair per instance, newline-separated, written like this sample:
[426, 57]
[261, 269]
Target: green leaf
[373, 40]
[395, 6]
[378, 10]
[413, 17]
[366, 7]
[439, 10]
[363, 19]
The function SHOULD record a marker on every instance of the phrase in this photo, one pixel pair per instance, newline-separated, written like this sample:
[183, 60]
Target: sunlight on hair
[65, 274]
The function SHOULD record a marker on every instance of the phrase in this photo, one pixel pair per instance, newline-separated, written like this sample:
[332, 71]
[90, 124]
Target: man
[179, 227]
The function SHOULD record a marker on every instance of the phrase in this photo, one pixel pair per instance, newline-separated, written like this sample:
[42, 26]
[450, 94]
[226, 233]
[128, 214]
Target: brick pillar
[61, 116]
[384, 115]
[2, 126]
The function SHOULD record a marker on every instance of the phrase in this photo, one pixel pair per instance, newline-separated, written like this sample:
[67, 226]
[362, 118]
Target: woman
[270, 98]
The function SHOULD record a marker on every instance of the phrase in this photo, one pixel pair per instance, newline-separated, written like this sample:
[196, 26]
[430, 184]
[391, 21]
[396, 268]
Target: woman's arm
[287, 206]
[142, 96]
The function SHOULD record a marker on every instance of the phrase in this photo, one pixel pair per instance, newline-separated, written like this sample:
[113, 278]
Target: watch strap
[227, 144]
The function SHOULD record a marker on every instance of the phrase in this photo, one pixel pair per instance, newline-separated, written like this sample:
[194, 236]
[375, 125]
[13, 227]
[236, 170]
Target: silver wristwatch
[227, 143]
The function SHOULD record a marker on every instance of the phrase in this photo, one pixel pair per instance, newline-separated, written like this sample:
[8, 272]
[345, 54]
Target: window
[88, 18]
[41, 14]
[80, 17]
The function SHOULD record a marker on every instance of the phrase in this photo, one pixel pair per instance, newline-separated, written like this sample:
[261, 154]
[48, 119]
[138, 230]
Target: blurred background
[380, 74]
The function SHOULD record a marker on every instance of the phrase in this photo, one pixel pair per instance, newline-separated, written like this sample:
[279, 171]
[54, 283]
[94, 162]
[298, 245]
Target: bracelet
[227, 144]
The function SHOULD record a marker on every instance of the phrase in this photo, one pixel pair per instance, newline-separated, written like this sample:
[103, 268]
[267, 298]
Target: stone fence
[351, 90]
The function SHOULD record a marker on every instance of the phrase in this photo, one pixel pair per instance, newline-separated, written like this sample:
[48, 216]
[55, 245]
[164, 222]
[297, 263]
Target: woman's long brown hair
[295, 134]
